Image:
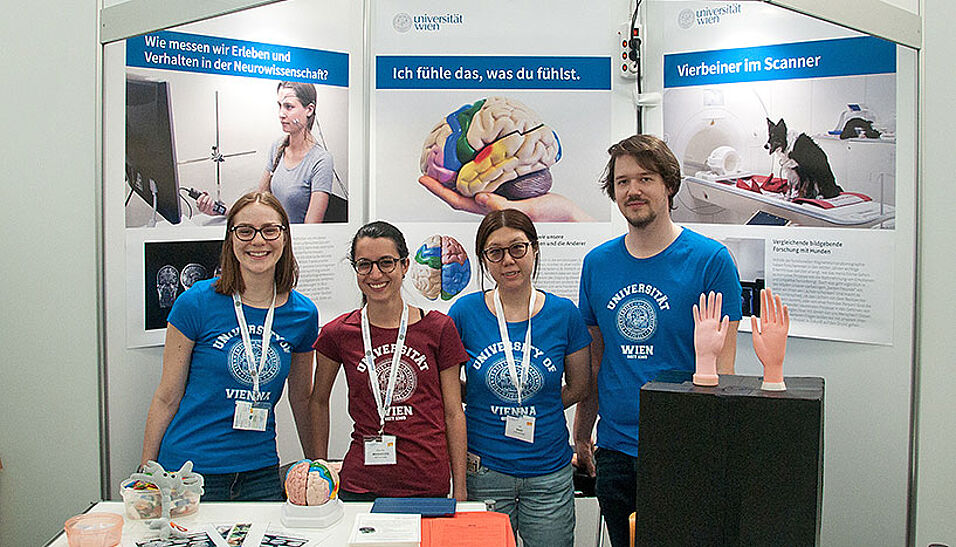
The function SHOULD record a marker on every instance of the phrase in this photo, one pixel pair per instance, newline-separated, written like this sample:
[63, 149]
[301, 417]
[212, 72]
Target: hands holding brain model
[548, 207]
[709, 334]
[495, 154]
[770, 339]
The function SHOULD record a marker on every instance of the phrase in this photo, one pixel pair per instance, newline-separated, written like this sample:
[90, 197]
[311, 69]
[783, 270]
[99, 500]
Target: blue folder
[426, 507]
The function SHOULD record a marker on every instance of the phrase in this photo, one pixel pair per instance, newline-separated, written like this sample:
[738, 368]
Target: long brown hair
[287, 269]
[307, 95]
[505, 218]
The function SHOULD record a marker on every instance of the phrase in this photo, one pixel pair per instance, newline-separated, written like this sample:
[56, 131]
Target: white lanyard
[381, 404]
[247, 341]
[509, 357]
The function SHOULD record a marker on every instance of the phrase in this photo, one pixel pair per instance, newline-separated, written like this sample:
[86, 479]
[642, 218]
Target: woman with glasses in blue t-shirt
[231, 344]
[522, 342]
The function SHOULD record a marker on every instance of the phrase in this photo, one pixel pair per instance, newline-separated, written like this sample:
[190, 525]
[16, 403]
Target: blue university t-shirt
[557, 330]
[201, 430]
[644, 309]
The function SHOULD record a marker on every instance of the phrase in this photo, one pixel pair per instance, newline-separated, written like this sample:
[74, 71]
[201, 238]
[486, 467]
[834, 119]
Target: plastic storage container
[94, 530]
[148, 504]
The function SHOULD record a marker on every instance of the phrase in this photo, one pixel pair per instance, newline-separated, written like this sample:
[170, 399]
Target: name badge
[380, 450]
[520, 427]
[250, 417]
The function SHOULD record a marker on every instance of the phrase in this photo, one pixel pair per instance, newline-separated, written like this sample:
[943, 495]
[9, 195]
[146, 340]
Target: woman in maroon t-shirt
[409, 434]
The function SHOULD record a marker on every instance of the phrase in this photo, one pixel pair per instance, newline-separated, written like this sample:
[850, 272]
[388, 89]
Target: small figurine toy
[170, 483]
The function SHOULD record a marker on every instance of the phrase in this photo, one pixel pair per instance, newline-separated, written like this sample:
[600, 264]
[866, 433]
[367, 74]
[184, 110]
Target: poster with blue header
[215, 109]
[786, 131]
[484, 107]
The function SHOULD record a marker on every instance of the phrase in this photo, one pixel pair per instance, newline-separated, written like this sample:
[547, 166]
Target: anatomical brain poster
[477, 109]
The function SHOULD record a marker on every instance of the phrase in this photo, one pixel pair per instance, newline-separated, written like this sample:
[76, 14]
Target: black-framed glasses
[270, 232]
[386, 264]
[497, 254]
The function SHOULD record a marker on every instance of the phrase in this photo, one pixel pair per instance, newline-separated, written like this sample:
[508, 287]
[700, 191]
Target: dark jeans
[256, 485]
[616, 491]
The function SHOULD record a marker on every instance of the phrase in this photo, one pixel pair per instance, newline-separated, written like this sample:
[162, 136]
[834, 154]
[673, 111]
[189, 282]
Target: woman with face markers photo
[299, 171]
[402, 366]
[232, 344]
[518, 449]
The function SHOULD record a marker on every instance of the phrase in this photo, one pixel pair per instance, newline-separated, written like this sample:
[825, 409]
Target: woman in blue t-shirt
[231, 343]
[518, 448]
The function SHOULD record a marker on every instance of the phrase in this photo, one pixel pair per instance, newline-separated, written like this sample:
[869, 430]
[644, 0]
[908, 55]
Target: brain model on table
[494, 145]
[440, 268]
[311, 483]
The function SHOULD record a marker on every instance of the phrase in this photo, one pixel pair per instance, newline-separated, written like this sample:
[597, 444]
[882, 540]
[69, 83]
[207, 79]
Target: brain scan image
[494, 145]
[440, 268]
[167, 285]
[192, 273]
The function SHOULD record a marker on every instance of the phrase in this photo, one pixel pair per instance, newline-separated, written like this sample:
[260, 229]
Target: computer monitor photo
[151, 168]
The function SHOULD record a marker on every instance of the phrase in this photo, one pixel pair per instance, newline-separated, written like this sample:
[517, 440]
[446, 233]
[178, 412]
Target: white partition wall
[49, 394]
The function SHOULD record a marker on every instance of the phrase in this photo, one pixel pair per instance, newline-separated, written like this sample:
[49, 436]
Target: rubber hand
[709, 334]
[205, 204]
[584, 457]
[770, 339]
[548, 207]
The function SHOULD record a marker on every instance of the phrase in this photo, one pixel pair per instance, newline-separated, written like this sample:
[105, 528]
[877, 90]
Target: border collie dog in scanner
[802, 162]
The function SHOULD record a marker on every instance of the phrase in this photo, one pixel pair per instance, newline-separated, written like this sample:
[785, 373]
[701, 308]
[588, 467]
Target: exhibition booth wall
[871, 385]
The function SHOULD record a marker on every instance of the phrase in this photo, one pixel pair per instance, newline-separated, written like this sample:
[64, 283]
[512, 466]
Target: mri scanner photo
[718, 133]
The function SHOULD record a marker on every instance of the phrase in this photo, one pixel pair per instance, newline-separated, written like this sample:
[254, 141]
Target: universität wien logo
[498, 379]
[402, 22]
[423, 22]
[239, 368]
[637, 319]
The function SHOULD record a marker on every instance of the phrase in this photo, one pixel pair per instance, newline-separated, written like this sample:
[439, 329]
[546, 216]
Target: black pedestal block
[730, 465]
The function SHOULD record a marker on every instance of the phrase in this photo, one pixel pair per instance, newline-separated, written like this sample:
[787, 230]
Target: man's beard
[642, 222]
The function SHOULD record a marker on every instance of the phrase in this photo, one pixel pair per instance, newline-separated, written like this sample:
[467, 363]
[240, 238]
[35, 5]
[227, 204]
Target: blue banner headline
[211, 55]
[485, 72]
[817, 59]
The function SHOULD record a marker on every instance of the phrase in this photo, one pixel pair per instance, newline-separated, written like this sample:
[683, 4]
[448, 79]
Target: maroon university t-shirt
[417, 415]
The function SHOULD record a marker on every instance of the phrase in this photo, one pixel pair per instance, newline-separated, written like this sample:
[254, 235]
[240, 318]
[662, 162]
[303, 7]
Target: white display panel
[547, 72]
[247, 122]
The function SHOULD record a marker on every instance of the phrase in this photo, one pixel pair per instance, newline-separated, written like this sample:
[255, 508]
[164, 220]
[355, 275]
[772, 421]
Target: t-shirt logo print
[637, 319]
[405, 382]
[499, 381]
[240, 368]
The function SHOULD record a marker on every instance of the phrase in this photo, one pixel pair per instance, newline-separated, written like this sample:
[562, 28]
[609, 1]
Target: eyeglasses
[245, 232]
[385, 265]
[516, 250]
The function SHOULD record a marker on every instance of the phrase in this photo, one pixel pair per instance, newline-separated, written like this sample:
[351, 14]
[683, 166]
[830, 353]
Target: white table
[336, 535]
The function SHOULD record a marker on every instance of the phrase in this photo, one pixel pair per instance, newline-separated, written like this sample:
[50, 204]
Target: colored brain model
[311, 483]
[494, 145]
[441, 268]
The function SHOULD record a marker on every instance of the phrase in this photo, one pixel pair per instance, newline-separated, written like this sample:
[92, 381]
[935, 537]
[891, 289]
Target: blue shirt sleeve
[186, 315]
[578, 335]
[310, 329]
[587, 314]
[722, 277]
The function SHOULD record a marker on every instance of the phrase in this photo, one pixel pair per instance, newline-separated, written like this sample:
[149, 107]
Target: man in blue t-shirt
[636, 296]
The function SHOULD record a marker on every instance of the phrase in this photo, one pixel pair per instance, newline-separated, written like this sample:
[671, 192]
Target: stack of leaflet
[386, 530]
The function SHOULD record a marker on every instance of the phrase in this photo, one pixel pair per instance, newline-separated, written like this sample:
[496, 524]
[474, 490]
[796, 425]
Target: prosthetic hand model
[709, 334]
[770, 340]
